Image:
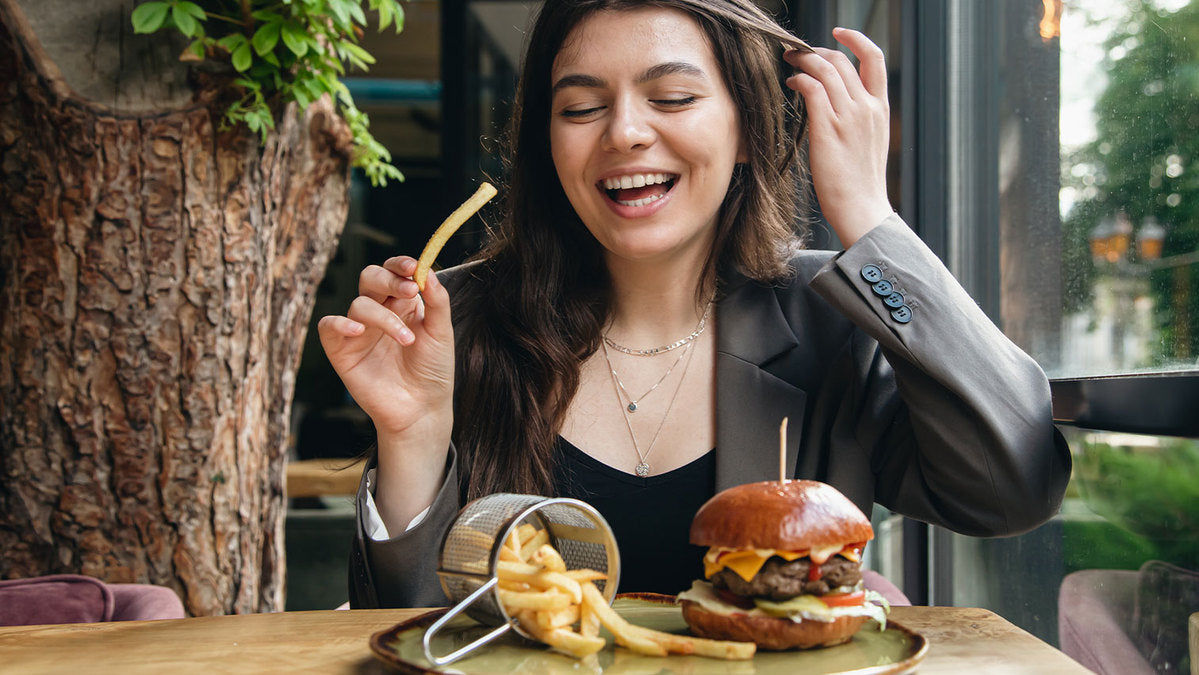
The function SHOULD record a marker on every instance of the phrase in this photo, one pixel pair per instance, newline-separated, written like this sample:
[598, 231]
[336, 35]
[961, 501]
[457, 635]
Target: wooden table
[963, 640]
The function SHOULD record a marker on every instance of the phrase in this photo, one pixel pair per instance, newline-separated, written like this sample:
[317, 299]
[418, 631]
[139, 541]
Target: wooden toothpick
[783, 453]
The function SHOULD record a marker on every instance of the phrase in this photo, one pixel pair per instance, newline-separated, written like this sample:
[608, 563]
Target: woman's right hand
[394, 351]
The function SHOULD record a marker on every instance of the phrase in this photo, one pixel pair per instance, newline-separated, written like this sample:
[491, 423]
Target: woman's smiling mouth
[638, 189]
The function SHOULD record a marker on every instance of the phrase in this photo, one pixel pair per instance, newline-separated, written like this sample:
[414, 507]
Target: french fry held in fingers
[447, 229]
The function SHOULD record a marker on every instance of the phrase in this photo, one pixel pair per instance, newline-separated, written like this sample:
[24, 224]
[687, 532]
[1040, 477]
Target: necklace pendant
[632, 406]
[642, 469]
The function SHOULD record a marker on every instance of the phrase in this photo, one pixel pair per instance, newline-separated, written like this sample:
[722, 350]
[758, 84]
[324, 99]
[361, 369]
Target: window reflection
[1129, 185]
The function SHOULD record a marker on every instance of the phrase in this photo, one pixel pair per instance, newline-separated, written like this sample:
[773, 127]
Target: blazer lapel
[753, 339]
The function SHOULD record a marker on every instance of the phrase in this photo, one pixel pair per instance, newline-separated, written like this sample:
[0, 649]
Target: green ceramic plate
[871, 652]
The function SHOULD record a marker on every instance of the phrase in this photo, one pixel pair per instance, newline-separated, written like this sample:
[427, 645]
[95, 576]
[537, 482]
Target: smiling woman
[652, 205]
[634, 139]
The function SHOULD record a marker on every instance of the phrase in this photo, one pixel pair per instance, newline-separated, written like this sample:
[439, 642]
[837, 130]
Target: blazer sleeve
[972, 446]
[402, 571]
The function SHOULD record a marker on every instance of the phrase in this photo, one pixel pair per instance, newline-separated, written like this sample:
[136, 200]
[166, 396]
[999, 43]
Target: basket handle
[454, 611]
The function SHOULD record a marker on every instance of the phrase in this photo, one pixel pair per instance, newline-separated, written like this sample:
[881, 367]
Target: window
[1047, 154]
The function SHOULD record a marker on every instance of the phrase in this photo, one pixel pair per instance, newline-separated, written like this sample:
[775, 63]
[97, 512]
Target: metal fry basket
[471, 549]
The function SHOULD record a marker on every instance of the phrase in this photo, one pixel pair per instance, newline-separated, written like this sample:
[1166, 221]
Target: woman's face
[643, 132]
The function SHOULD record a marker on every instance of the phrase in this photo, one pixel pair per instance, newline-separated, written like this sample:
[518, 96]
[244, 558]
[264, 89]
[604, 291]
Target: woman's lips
[638, 189]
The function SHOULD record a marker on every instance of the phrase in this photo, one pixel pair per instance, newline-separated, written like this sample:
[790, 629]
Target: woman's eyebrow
[670, 68]
[577, 80]
[650, 74]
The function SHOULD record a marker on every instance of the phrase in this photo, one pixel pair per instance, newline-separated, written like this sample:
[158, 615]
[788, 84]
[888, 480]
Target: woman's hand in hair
[394, 351]
[848, 130]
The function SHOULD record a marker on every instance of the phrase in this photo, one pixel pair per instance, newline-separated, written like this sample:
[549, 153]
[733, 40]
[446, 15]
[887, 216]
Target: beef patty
[782, 580]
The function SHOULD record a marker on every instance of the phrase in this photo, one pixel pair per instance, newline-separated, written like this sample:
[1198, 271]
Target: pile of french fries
[564, 609]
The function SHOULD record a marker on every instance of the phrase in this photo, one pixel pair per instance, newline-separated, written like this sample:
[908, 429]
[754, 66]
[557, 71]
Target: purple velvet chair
[1128, 622]
[883, 586]
[71, 598]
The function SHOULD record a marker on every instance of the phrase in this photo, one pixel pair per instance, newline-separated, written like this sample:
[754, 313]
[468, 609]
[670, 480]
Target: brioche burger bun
[783, 567]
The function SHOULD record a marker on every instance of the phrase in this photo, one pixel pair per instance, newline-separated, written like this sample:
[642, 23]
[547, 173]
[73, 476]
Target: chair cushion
[1166, 596]
[1094, 614]
[143, 602]
[882, 585]
[59, 598]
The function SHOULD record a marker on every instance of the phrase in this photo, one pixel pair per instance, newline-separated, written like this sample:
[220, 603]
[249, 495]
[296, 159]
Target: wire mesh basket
[471, 551]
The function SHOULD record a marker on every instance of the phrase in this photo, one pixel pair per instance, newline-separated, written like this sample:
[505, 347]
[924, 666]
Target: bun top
[793, 516]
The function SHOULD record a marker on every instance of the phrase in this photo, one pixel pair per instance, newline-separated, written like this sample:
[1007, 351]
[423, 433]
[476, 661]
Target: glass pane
[1102, 282]
[1130, 213]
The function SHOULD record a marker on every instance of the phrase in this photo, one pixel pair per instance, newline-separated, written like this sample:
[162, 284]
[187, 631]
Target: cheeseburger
[783, 567]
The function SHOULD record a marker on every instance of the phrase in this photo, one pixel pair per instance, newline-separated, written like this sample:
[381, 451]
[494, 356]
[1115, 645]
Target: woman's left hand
[848, 131]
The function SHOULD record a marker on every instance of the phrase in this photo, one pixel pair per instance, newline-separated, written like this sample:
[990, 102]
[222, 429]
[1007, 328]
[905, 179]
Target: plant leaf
[193, 9]
[186, 23]
[341, 12]
[149, 16]
[266, 37]
[232, 41]
[358, 52]
[242, 57]
[384, 9]
[295, 38]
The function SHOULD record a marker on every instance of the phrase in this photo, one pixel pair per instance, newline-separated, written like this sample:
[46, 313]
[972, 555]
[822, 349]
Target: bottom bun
[769, 632]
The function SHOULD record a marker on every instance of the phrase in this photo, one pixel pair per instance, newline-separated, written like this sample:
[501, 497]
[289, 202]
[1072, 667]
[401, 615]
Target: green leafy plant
[1152, 492]
[282, 51]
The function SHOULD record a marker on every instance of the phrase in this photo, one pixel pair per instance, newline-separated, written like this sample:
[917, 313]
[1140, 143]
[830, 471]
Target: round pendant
[642, 469]
[632, 406]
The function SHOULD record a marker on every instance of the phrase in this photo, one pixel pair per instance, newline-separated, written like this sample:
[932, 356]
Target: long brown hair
[535, 303]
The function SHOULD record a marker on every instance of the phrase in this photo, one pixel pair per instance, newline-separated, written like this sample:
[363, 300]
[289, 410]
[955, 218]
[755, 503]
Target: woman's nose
[628, 129]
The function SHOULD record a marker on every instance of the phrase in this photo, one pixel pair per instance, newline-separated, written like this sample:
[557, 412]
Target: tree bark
[157, 275]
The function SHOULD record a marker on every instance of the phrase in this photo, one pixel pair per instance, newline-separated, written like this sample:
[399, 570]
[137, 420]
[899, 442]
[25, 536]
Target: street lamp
[1110, 238]
[1150, 238]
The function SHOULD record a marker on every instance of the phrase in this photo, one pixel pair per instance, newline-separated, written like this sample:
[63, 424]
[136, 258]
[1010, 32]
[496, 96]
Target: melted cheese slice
[747, 562]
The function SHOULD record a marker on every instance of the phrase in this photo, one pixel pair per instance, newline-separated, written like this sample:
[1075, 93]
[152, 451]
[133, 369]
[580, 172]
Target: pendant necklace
[642, 468]
[632, 406]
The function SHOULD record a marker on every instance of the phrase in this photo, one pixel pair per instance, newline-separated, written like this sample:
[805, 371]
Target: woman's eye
[579, 112]
[675, 102]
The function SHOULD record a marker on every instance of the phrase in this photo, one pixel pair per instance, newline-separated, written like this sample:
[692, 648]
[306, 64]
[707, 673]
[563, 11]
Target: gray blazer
[900, 393]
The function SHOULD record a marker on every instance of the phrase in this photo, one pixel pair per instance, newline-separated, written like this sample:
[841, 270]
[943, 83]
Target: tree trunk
[157, 275]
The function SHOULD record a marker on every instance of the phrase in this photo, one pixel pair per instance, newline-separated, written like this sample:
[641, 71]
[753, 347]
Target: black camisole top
[651, 517]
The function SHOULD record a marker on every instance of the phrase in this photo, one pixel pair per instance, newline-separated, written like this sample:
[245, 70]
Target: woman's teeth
[636, 180]
[639, 202]
[639, 180]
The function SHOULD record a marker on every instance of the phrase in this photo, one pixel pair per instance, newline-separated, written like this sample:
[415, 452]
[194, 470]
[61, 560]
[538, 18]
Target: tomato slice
[734, 599]
[844, 599]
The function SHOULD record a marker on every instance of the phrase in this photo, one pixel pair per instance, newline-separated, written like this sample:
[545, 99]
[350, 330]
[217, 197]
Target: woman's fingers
[872, 65]
[841, 82]
[339, 325]
[824, 79]
[371, 314]
[436, 310]
[380, 282]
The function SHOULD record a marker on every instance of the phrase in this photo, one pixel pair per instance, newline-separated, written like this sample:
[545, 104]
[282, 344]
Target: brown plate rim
[380, 639]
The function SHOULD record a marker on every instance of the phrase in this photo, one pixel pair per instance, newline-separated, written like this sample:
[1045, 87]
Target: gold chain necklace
[642, 468]
[654, 351]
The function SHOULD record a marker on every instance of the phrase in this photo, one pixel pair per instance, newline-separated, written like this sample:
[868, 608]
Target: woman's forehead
[640, 36]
